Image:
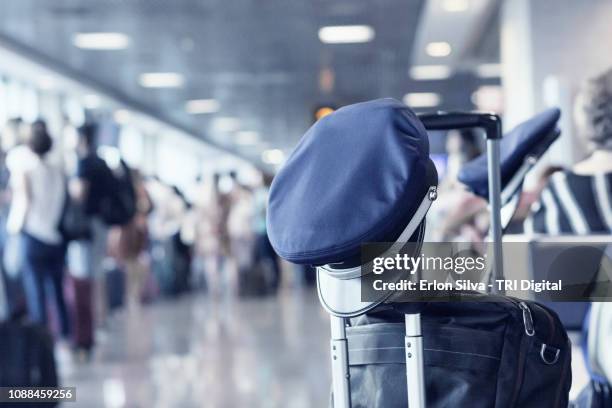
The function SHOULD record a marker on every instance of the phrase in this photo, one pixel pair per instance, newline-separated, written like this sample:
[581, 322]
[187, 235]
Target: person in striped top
[579, 201]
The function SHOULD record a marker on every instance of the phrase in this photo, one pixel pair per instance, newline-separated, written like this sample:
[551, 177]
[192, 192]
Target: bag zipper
[528, 316]
[527, 319]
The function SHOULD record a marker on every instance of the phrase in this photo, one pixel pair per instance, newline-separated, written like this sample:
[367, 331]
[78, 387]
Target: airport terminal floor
[195, 352]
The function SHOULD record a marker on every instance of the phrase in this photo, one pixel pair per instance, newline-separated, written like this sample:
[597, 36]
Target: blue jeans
[43, 273]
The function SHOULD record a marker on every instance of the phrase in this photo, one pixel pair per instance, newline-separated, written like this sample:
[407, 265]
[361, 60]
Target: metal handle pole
[493, 165]
[415, 375]
[340, 367]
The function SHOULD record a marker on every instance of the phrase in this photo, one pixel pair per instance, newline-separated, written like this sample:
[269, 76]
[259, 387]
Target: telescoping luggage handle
[413, 343]
[492, 125]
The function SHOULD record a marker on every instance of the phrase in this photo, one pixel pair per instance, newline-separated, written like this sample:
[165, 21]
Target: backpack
[501, 353]
[74, 223]
[118, 203]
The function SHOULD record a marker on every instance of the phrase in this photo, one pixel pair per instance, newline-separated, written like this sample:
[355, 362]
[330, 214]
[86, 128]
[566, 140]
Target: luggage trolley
[318, 230]
[495, 178]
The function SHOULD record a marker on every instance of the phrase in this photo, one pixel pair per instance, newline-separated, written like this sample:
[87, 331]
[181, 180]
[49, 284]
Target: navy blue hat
[531, 137]
[356, 176]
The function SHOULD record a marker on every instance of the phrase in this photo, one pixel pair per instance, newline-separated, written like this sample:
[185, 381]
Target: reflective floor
[193, 352]
[190, 353]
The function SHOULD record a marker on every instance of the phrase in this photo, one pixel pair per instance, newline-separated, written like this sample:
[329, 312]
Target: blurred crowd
[83, 234]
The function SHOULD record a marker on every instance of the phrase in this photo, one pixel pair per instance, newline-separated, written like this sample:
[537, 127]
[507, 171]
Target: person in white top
[41, 191]
[18, 157]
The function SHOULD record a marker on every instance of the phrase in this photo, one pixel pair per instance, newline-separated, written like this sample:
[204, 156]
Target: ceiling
[261, 59]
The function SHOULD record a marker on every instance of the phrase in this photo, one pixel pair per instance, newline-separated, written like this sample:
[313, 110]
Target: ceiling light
[161, 80]
[122, 116]
[438, 49]
[430, 72]
[323, 112]
[489, 98]
[101, 41]
[226, 124]
[201, 106]
[346, 34]
[489, 70]
[454, 6]
[91, 101]
[247, 137]
[273, 156]
[46, 82]
[422, 99]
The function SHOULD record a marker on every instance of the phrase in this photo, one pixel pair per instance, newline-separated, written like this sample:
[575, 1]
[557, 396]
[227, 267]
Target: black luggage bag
[26, 356]
[504, 353]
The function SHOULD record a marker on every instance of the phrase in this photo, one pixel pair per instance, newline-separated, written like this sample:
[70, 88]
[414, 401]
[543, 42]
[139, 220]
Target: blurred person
[14, 154]
[225, 185]
[182, 246]
[204, 220]
[165, 223]
[263, 249]
[458, 215]
[41, 189]
[241, 236]
[528, 198]
[18, 157]
[128, 242]
[579, 201]
[461, 147]
[86, 256]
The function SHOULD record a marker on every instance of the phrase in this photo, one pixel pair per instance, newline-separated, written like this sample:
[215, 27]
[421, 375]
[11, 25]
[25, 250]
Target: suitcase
[79, 297]
[254, 281]
[4, 308]
[115, 287]
[162, 268]
[26, 357]
[171, 264]
[181, 264]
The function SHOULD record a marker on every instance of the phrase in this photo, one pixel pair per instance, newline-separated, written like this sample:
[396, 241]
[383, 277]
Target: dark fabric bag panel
[460, 365]
[539, 376]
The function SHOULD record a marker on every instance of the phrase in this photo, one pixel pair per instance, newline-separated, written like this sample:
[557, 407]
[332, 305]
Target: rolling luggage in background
[254, 281]
[115, 287]
[26, 356]
[181, 264]
[79, 297]
[26, 353]
[171, 265]
[162, 253]
[4, 309]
